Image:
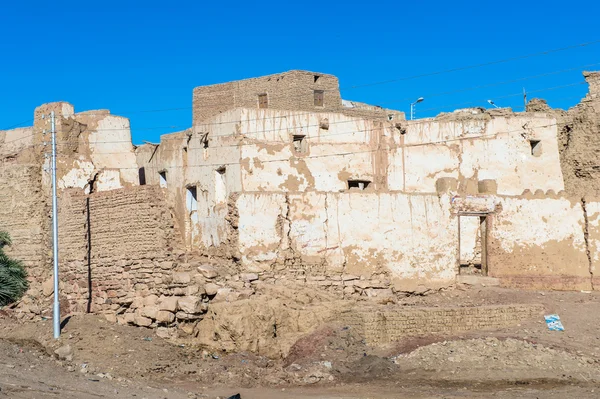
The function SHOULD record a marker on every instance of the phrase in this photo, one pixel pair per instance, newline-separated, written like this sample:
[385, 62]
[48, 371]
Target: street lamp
[492, 103]
[412, 107]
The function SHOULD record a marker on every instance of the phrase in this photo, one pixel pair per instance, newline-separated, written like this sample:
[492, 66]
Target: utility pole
[524, 100]
[56, 313]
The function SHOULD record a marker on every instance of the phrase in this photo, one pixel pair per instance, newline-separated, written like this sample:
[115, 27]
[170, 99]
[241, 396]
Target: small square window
[319, 95]
[536, 147]
[263, 101]
[360, 184]
[300, 143]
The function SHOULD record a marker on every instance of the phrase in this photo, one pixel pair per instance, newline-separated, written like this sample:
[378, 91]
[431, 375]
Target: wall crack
[586, 237]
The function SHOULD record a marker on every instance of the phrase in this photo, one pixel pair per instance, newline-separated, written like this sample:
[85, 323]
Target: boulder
[150, 300]
[207, 271]
[181, 278]
[149, 311]
[163, 316]
[190, 304]
[248, 277]
[64, 353]
[211, 289]
[142, 321]
[168, 304]
[48, 287]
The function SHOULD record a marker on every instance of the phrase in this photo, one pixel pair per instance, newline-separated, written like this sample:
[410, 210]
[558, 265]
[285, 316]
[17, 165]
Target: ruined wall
[118, 241]
[579, 140]
[410, 242]
[23, 214]
[411, 239]
[93, 148]
[477, 146]
[207, 159]
[23, 203]
[384, 327]
[288, 90]
[535, 241]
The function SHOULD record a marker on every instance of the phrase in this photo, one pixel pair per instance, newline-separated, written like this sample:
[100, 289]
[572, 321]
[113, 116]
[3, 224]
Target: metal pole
[56, 313]
[412, 111]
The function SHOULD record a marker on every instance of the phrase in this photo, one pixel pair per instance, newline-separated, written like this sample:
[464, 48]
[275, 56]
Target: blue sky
[138, 56]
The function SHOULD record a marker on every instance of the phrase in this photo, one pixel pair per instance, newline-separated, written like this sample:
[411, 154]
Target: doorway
[472, 244]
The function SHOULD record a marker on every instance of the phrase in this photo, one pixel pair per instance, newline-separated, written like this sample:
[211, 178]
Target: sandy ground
[113, 361]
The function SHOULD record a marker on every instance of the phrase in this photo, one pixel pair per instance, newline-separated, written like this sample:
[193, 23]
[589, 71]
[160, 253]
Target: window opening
[360, 184]
[536, 147]
[142, 176]
[162, 179]
[191, 199]
[263, 101]
[317, 77]
[220, 185]
[472, 244]
[300, 143]
[319, 94]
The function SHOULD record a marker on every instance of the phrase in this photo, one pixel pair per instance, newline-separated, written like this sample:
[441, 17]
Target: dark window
[317, 77]
[300, 144]
[142, 176]
[162, 179]
[360, 184]
[536, 147]
[263, 101]
[191, 198]
[319, 94]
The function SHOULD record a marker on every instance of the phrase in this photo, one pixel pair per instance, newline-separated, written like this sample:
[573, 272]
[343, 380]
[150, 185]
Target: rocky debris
[65, 353]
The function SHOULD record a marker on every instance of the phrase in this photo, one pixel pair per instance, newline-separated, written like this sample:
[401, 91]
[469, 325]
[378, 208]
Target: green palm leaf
[13, 277]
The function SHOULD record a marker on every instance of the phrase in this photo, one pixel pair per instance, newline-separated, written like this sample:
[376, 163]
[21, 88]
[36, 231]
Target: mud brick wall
[114, 245]
[23, 214]
[382, 327]
[289, 90]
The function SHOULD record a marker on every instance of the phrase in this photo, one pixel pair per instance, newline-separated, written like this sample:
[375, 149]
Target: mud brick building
[281, 182]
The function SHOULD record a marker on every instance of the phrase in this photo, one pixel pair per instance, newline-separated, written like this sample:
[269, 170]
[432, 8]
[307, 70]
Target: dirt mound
[491, 359]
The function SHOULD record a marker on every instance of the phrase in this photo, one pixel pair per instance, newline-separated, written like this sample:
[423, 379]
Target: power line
[18, 124]
[367, 130]
[308, 137]
[494, 84]
[546, 52]
[506, 96]
[464, 68]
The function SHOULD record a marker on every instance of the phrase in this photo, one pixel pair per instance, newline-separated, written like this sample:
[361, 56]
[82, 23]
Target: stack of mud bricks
[292, 90]
[384, 327]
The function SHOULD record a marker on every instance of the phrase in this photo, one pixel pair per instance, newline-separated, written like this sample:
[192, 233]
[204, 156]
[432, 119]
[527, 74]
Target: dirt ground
[114, 361]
